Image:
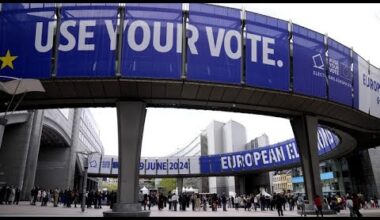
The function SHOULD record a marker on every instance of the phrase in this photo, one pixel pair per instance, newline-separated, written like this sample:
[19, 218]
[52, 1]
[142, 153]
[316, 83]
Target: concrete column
[241, 180]
[130, 120]
[179, 185]
[33, 152]
[14, 153]
[305, 132]
[3, 122]
[73, 149]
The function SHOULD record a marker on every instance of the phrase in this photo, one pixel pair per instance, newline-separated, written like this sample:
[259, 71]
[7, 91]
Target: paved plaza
[24, 209]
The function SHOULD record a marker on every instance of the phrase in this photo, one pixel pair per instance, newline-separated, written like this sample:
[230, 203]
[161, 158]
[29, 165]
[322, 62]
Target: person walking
[55, 197]
[350, 205]
[318, 205]
[279, 201]
[301, 205]
[174, 201]
[356, 201]
[197, 203]
[224, 202]
[17, 196]
[204, 202]
[12, 194]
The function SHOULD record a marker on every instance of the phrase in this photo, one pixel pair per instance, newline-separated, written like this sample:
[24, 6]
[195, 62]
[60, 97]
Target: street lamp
[85, 166]
[15, 87]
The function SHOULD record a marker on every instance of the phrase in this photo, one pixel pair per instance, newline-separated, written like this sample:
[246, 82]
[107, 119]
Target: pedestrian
[224, 201]
[301, 205]
[318, 205]
[279, 201]
[237, 202]
[2, 194]
[350, 205]
[356, 201]
[17, 196]
[174, 201]
[204, 202]
[55, 197]
[12, 194]
[197, 203]
[192, 199]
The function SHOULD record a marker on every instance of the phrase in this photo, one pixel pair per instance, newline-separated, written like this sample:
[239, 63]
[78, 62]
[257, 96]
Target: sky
[168, 129]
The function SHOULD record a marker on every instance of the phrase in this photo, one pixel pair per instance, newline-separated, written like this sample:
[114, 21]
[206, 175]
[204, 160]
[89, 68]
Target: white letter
[264, 156]
[224, 163]
[66, 34]
[227, 44]
[132, 32]
[194, 37]
[254, 38]
[179, 38]
[215, 47]
[38, 37]
[257, 157]
[111, 34]
[267, 51]
[83, 34]
[248, 159]
[157, 37]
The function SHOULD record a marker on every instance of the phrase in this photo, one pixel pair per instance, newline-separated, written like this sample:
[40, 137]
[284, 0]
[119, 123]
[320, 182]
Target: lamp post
[84, 184]
[16, 86]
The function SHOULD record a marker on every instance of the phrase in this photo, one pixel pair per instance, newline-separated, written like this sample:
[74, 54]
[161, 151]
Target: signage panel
[339, 73]
[150, 166]
[105, 165]
[173, 165]
[115, 165]
[142, 166]
[87, 41]
[374, 86]
[267, 52]
[152, 41]
[362, 79]
[162, 166]
[309, 68]
[26, 50]
[194, 165]
[284, 153]
[94, 164]
[184, 165]
[214, 44]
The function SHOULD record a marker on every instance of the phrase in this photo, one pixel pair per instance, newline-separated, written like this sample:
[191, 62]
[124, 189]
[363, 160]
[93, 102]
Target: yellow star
[7, 60]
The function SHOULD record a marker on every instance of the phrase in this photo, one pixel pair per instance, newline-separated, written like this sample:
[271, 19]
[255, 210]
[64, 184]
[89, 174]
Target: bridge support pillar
[130, 120]
[305, 132]
[3, 122]
[179, 185]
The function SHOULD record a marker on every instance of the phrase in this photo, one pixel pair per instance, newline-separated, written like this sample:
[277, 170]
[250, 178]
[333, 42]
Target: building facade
[41, 148]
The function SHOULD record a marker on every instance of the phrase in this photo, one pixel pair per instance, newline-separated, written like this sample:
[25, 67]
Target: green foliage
[109, 186]
[168, 184]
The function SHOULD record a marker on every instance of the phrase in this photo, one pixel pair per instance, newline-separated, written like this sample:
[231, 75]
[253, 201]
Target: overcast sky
[167, 129]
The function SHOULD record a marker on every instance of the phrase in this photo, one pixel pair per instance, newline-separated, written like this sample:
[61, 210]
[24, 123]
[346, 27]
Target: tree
[168, 184]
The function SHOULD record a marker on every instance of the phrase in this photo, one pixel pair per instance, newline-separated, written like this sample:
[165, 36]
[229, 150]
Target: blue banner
[339, 73]
[277, 155]
[267, 52]
[87, 40]
[214, 44]
[309, 69]
[25, 52]
[152, 41]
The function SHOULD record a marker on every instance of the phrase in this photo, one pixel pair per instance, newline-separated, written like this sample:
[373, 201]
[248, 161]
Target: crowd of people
[195, 201]
[279, 202]
[9, 195]
[69, 197]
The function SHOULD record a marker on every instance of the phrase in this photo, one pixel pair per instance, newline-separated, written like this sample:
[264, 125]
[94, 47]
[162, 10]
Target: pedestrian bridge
[278, 156]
